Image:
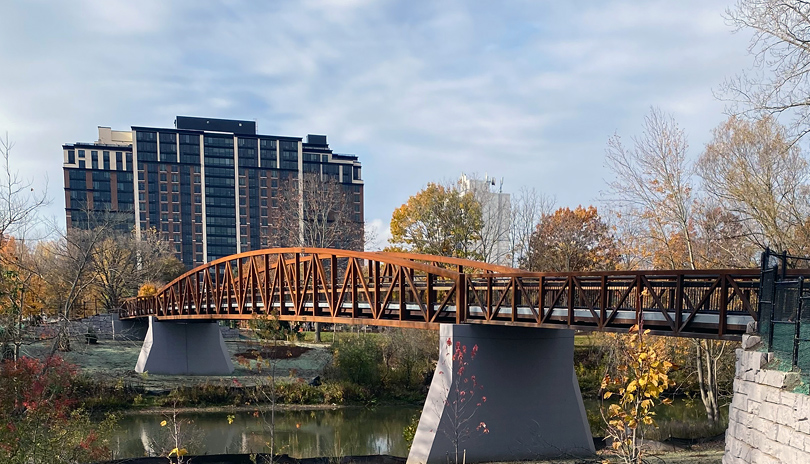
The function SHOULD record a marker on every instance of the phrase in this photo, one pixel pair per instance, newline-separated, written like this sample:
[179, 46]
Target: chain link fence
[784, 311]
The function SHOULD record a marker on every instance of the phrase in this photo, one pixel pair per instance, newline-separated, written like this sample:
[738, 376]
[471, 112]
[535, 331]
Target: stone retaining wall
[768, 423]
[102, 325]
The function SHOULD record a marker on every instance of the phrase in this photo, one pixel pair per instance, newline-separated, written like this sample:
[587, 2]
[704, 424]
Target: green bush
[298, 393]
[359, 359]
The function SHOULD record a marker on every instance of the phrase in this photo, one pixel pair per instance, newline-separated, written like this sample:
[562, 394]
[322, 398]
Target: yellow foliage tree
[438, 220]
[640, 379]
[147, 289]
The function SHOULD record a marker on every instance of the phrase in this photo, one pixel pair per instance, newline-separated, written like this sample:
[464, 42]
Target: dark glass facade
[207, 186]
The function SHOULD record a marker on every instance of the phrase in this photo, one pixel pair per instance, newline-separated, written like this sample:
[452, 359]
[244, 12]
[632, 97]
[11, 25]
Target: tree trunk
[707, 379]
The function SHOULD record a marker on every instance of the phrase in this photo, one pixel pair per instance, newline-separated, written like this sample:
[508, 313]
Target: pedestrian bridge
[533, 409]
[423, 291]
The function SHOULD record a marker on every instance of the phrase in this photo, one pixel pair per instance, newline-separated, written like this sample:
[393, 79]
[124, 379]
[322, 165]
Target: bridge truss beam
[423, 291]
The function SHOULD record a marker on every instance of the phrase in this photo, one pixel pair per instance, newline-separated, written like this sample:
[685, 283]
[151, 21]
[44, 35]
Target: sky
[524, 91]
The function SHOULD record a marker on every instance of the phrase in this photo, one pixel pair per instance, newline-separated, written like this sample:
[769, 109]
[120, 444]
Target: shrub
[359, 359]
[39, 417]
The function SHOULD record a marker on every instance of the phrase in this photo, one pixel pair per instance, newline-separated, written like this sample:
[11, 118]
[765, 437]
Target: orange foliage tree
[21, 293]
[572, 240]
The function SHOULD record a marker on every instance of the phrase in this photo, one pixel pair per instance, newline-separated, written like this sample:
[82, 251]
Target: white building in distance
[496, 209]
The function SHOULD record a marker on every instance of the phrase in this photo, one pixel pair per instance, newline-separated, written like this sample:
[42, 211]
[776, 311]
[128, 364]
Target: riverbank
[115, 360]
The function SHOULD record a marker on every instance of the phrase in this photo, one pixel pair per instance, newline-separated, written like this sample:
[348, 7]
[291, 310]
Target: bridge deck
[405, 290]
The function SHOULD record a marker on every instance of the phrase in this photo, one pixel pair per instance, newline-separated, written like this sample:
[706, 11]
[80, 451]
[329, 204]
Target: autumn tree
[122, 262]
[780, 45]
[753, 171]
[438, 220]
[640, 378]
[21, 293]
[652, 189]
[654, 198]
[19, 206]
[571, 240]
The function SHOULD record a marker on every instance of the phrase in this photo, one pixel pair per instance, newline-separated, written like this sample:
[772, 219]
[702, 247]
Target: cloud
[420, 91]
[378, 234]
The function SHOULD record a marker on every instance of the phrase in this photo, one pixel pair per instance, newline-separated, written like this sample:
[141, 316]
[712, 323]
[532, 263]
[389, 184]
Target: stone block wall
[768, 423]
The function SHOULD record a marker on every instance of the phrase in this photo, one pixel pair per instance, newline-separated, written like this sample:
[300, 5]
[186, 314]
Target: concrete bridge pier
[184, 348]
[533, 406]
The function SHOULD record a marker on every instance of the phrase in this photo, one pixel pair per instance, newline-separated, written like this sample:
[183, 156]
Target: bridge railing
[407, 290]
[694, 303]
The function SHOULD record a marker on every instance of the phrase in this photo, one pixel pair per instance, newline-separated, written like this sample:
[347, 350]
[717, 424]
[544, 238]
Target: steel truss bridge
[423, 291]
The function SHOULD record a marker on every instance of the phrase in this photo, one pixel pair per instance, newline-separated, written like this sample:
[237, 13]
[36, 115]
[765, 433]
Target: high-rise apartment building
[207, 185]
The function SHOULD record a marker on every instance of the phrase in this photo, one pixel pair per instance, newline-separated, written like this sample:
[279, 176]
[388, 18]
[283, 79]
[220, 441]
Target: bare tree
[781, 48]
[70, 269]
[652, 185]
[653, 191]
[123, 262]
[314, 212]
[528, 207]
[754, 172]
[723, 240]
[19, 205]
[19, 202]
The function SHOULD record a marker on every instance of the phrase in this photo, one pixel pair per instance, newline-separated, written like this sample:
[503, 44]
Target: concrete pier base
[184, 348]
[533, 407]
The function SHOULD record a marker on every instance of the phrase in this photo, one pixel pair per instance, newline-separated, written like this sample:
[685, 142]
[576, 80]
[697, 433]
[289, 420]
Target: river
[320, 432]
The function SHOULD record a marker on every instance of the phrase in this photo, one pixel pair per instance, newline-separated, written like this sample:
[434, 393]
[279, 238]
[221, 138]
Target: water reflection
[340, 432]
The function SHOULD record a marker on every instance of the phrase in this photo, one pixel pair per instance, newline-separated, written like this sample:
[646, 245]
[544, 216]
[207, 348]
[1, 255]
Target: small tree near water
[464, 397]
[640, 379]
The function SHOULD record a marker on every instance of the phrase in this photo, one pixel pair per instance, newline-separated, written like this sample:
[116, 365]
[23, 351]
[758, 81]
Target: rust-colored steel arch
[422, 291]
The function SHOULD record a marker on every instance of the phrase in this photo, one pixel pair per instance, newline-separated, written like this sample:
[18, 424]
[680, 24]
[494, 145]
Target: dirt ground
[677, 457]
[113, 359]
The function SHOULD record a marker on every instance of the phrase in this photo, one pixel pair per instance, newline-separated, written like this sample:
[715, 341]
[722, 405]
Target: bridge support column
[184, 348]
[533, 406]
